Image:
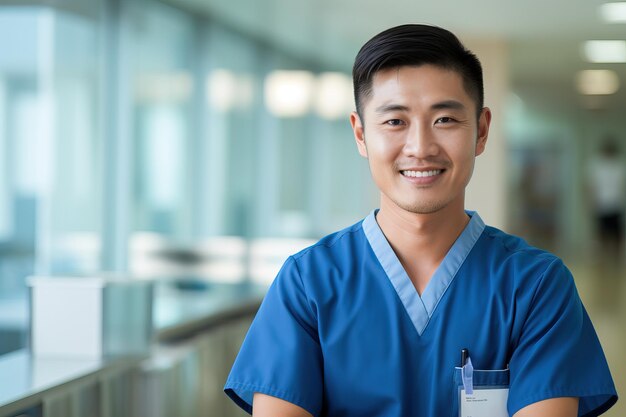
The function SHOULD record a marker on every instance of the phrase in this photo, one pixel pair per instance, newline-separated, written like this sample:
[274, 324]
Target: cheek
[382, 149]
[463, 145]
[381, 159]
[464, 156]
[468, 160]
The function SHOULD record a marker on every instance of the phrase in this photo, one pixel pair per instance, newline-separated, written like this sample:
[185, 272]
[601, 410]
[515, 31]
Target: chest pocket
[485, 377]
[490, 393]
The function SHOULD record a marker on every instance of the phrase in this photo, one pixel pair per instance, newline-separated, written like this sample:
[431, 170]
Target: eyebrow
[442, 105]
[386, 108]
[448, 104]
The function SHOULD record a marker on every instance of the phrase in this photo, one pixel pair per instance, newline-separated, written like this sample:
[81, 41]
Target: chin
[422, 207]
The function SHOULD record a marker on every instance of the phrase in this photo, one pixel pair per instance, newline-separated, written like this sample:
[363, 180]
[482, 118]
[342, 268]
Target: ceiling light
[597, 82]
[613, 12]
[227, 91]
[289, 93]
[222, 89]
[334, 95]
[604, 51]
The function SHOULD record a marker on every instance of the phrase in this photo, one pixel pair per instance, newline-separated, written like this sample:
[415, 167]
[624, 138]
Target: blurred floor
[602, 287]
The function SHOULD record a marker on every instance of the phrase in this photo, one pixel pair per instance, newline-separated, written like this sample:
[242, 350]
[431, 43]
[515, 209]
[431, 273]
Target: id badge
[482, 392]
[484, 402]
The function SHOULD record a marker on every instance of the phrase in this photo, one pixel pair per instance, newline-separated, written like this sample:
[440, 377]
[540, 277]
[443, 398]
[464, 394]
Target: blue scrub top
[343, 332]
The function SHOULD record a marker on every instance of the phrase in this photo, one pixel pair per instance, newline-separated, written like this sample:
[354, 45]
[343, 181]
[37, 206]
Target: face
[420, 135]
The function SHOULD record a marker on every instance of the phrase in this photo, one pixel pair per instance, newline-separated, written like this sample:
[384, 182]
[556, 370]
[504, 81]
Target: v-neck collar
[420, 309]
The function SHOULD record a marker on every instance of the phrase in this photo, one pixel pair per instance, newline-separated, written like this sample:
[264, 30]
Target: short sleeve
[281, 354]
[558, 353]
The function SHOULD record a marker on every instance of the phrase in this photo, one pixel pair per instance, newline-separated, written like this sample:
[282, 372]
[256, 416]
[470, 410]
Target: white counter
[179, 314]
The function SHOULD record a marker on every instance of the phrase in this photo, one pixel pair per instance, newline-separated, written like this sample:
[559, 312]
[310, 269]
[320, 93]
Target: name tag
[489, 402]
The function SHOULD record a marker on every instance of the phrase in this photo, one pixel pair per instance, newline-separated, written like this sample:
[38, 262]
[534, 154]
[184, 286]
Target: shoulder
[329, 261]
[333, 245]
[520, 261]
[515, 247]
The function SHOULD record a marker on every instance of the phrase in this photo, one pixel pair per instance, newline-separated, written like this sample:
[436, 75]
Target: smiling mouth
[422, 174]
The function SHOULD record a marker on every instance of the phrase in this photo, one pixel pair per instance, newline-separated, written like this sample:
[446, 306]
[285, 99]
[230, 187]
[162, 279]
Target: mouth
[422, 173]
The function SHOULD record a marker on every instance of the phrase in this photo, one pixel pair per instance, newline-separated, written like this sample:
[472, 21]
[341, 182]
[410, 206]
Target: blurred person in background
[607, 190]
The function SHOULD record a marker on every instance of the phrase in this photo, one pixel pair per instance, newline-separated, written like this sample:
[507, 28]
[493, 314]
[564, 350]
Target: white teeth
[420, 174]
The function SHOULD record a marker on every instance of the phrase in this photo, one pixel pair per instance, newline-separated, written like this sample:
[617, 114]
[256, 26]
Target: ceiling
[544, 36]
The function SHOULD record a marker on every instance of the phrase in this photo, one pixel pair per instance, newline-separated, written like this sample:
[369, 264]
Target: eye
[444, 120]
[394, 122]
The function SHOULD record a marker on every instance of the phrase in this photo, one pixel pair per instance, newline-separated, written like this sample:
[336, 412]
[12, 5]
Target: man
[607, 189]
[420, 309]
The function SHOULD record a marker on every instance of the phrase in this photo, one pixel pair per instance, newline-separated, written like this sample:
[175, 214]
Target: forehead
[422, 84]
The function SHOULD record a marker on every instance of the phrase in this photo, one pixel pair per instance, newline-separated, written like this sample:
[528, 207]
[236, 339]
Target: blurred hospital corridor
[160, 159]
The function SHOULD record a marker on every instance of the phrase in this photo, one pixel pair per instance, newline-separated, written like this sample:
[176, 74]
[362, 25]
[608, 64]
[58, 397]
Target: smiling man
[421, 309]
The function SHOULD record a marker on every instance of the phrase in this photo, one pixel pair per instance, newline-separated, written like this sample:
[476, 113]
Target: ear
[357, 128]
[484, 121]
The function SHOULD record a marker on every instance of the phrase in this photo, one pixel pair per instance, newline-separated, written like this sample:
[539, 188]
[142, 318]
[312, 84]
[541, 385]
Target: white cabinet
[181, 379]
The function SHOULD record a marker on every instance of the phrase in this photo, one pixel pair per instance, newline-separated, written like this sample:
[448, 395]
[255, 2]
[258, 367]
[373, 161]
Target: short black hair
[415, 45]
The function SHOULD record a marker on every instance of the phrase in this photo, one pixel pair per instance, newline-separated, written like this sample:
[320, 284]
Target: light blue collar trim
[420, 309]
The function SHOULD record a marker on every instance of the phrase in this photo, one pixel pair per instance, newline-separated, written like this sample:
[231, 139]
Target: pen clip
[467, 374]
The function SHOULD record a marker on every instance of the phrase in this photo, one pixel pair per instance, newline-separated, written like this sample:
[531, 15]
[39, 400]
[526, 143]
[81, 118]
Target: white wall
[487, 190]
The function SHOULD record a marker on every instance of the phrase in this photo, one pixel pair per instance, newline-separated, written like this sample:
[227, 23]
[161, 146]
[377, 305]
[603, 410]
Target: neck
[430, 235]
[418, 229]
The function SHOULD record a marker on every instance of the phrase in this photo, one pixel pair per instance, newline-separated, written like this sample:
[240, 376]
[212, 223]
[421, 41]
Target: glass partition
[49, 153]
[140, 138]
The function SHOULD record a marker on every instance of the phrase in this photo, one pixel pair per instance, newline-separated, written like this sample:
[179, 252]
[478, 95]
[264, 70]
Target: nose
[420, 143]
